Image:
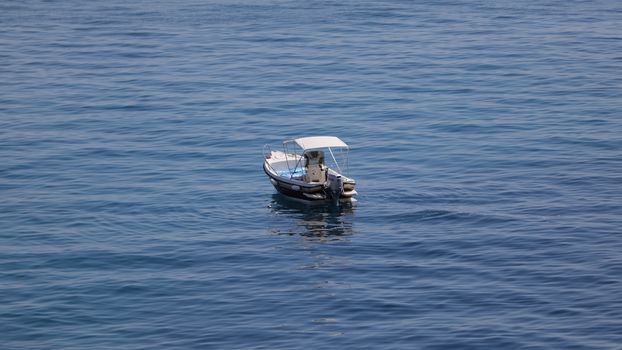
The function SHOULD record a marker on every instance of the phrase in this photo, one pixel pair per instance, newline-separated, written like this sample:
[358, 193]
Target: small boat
[302, 172]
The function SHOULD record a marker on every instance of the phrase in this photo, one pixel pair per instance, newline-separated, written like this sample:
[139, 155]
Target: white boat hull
[294, 186]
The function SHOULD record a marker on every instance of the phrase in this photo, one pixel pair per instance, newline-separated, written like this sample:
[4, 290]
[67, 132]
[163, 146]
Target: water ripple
[485, 145]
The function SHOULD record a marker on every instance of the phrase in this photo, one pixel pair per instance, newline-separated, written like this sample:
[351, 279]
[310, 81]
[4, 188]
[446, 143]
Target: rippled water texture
[486, 144]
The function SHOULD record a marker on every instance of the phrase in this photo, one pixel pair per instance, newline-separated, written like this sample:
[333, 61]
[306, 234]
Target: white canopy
[315, 142]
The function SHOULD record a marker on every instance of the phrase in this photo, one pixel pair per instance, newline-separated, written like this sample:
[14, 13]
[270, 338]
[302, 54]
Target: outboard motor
[335, 187]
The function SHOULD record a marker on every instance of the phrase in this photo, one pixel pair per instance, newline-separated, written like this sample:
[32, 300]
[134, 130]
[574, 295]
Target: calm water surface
[486, 142]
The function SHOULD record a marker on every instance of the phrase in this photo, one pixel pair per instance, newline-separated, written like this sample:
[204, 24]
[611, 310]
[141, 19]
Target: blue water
[486, 144]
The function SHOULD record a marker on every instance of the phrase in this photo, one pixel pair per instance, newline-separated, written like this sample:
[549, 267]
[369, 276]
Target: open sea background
[486, 143]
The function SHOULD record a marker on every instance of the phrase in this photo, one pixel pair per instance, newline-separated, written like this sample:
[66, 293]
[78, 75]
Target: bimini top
[315, 142]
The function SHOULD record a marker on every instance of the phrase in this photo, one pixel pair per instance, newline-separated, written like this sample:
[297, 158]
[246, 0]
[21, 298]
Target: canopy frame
[315, 143]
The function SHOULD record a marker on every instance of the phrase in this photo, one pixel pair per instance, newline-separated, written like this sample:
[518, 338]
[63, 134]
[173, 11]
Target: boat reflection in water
[316, 222]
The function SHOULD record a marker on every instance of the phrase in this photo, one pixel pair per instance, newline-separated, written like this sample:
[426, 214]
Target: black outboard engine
[335, 187]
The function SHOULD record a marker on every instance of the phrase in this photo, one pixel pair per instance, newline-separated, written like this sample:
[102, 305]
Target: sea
[485, 140]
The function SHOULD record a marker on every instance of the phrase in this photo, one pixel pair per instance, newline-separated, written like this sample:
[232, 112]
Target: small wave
[440, 216]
